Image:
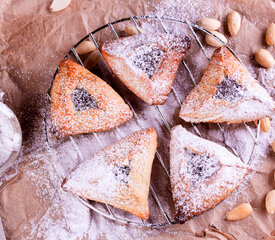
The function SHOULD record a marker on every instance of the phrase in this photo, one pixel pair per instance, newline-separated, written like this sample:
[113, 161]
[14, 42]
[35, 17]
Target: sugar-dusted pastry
[227, 93]
[146, 63]
[203, 173]
[81, 102]
[119, 174]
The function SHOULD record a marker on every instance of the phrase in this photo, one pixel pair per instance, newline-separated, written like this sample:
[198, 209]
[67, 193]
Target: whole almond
[234, 22]
[273, 146]
[264, 58]
[209, 24]
[92, 59]
[265, 124]
[131, 30]
[58, 5]
[270, 34]
[270, 202]
[85, 47]
[239, 212]
[213, 41]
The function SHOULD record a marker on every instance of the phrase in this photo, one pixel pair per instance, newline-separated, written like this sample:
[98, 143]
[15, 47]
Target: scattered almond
[270, 202]
[264, 58]
[273, 147]
[265, 124]
[234, 22]
[131, 30]
[209, 24]
[91, 61]
[213, 41]
[270, 34]
[256, 123]
[85, 47]
[239, 212]
[58, 5]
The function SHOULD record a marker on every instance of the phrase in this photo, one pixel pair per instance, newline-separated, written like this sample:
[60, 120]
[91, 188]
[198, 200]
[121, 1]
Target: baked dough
[226, 93]
[119, 174]
[203, 173]
[146, 63]
[82, 102]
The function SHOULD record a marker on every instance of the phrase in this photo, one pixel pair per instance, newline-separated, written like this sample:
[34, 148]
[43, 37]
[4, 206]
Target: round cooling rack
[76, 143]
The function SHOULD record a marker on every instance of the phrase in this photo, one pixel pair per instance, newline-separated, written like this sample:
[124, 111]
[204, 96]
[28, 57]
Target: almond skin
[85, 47]
[58, 5]
[264, 58]
[234, 22]
[131, 30]
[265, 124]
[214, 42]
[270, 34]
[209, 24]
[239, 212]
[270, 202]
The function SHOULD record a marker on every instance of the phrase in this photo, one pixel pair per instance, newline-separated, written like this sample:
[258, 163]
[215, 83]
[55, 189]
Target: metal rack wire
[109, 213]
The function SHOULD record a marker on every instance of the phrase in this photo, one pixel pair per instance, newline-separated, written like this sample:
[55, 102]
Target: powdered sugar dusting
[202, 173]
[108, 175]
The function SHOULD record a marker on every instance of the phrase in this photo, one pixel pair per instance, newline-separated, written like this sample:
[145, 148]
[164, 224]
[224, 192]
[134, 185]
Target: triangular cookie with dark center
[203, 173]
[227, 93]
[146, 63]
[81, 102]
[119, 174]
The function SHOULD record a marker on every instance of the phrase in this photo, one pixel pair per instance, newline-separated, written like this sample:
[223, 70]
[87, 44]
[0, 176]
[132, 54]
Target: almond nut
[131, 30]
[270, 202]
[265, 124]
[209, 24]
[239, 212]
[234, 22]
[273, 146]
[270, 34]
[213, 41]
[58, 5]
[85, 47]
[91, 61]
[264, 58]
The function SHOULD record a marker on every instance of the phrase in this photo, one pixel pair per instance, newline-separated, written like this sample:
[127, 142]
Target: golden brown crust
[241, 100]
[153, 90]
[111, 112]
[97, 178]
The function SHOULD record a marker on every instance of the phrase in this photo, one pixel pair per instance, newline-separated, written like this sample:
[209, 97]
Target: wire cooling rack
[106, 210]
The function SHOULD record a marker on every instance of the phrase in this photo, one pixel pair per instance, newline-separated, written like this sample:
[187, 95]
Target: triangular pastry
[203, 173]
[226, 93]
[82, 102]
[146, 63]
[119, 174]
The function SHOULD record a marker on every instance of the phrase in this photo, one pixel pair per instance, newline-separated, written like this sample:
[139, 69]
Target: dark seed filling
[122, 173]
[199, 167]
[148, 60]
[82, 100]
[229, 90]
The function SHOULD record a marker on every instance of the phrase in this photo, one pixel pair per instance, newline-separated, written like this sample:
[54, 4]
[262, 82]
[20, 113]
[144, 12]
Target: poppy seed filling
[148, 59]
[199, 167]
[229, 90]
[82, 100]
[122, 173]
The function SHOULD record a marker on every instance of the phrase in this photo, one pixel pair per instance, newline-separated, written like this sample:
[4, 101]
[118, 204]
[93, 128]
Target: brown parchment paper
[32, 42]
